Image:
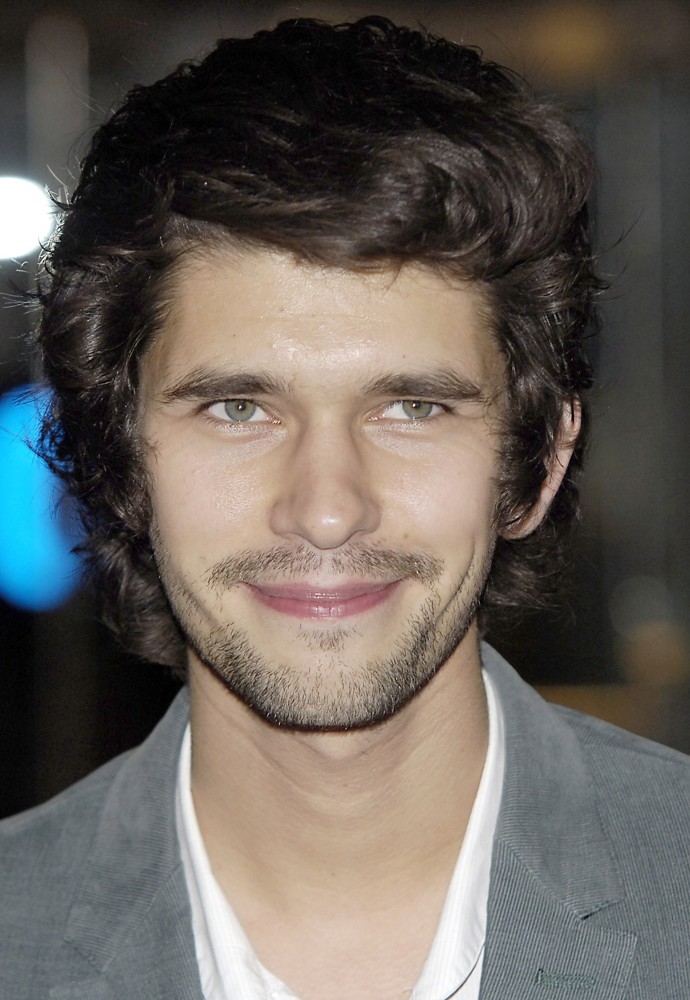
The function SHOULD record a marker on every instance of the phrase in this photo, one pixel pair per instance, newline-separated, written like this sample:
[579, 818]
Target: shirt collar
[457, 949]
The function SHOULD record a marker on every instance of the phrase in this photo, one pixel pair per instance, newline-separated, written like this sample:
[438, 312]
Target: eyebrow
[434, 384]
[209, 384]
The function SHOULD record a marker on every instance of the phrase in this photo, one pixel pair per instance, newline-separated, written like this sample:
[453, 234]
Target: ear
[568, 432]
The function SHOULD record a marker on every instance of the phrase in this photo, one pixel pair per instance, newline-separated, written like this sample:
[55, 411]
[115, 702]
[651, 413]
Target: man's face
[322, 450]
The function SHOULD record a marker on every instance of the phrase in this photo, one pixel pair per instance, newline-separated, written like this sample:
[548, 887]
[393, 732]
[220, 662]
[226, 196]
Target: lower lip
[325, 607]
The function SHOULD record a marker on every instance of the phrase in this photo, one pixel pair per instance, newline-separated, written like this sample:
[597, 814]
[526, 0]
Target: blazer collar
[130, 915]
[553, 863]
[552, 868]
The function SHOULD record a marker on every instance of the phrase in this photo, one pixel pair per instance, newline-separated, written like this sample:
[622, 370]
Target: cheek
[204, 505]
[446, 503]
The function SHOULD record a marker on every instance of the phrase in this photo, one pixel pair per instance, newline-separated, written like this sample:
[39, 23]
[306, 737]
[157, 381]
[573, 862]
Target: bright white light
[26, 216]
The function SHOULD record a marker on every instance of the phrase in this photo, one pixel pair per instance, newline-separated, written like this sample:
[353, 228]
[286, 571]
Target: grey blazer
[590, 884]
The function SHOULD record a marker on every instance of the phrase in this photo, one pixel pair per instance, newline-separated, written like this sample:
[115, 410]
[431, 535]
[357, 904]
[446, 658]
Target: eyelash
[242, 400]
[440, 408]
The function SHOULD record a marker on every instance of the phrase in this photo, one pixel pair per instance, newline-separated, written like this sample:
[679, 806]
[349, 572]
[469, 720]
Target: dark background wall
[68, 698]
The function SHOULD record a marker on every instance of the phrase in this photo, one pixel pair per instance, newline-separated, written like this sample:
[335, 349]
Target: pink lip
[304, 601]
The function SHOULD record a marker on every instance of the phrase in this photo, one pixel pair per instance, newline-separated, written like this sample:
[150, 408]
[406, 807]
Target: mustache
[280, 563]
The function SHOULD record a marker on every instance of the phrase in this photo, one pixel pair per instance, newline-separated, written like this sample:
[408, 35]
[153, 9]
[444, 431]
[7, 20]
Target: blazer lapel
[553, 865]
[130, 916]
[537, 948]
[157, 962]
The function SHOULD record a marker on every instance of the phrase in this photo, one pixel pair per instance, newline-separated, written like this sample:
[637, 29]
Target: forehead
[230, 308]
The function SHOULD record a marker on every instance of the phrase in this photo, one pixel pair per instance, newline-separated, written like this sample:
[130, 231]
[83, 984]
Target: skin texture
[322, 447]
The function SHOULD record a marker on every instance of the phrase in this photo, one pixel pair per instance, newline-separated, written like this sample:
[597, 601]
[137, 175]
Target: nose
[326, 494]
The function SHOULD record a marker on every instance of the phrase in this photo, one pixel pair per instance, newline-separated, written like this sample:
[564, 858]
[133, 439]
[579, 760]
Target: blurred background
[69, 699]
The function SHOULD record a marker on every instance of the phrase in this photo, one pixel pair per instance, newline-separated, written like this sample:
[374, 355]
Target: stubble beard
[328, 693]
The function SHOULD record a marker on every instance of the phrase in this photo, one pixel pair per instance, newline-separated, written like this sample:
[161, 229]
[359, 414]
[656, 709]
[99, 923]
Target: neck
[360, 813]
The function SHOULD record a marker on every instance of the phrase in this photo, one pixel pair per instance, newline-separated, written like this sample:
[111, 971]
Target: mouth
[323, 603]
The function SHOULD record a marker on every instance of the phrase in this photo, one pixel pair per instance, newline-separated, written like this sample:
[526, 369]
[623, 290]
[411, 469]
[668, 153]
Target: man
[315, 328]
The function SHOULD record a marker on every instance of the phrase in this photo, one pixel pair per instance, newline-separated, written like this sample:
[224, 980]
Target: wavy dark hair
[362, 145]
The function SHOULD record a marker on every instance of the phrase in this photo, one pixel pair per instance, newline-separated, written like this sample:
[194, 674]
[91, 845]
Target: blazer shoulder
[622, 746]
[41, 849]
[79, 875]
[642, 789]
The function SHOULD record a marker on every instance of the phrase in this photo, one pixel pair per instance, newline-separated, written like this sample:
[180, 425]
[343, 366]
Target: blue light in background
[38, 570]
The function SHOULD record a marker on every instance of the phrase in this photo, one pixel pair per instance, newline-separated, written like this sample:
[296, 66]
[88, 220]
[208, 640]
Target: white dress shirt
[228, 967]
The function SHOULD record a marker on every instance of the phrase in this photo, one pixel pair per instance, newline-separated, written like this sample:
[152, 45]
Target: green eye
[417, 408]
[240, 410]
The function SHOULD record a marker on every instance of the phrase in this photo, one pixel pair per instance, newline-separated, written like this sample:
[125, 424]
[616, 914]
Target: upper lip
[311, 592]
